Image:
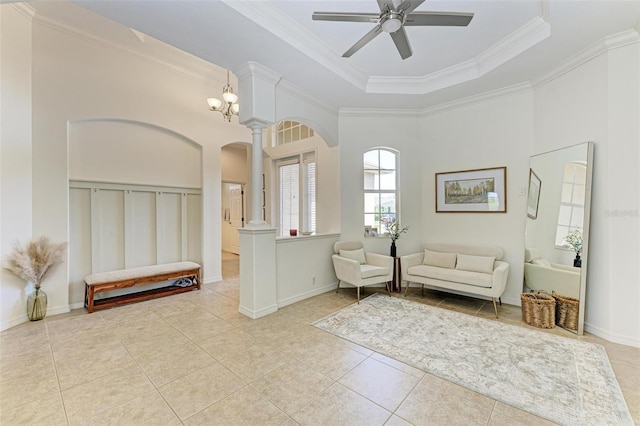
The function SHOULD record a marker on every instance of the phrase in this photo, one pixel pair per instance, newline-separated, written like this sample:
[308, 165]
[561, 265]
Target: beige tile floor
[192, 359]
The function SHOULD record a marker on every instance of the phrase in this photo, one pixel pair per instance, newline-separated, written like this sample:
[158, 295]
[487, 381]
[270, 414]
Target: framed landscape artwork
[535, 184]
[477, 191]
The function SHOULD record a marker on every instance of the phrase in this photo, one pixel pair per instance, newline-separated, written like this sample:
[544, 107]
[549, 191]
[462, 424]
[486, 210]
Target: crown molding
[273, 20]
[481, 97]
[611, 42]
[24, 9]
[380, 112]
[525, 37]
[195, 67]
[258, 70]
[419, 113]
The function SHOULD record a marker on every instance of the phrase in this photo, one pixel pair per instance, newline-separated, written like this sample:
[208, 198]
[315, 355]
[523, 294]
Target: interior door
[236, 202]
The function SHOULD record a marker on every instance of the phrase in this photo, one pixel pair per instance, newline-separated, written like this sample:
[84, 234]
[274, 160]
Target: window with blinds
[296, 193]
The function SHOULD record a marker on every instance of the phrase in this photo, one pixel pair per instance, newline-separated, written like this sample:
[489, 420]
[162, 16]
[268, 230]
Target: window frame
[380, 192]
[301, 159]
[571, 205]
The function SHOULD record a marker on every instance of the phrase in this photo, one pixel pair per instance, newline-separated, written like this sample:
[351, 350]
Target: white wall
[600, 101]
[76, 79]
[15, 156]
[360, 133]
[493, 133]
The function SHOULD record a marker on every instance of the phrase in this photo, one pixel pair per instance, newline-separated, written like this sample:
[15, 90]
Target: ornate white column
[258, 287]
[256, 219]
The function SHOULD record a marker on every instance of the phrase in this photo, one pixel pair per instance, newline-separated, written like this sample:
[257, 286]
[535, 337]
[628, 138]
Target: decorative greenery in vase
[33, 263]
[574, 240]
[395, 230]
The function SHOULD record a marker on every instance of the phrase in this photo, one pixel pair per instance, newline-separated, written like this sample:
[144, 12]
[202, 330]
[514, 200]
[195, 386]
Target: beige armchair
[540, 275]
[356, 267]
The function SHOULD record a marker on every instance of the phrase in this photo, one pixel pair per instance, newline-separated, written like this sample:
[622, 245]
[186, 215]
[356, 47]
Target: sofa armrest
[499, 280]
[380, 260]
[347, 270]
[409, 260]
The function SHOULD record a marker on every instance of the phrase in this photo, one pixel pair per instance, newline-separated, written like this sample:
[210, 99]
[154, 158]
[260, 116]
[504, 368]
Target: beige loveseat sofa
[476, 270]
[541, 275]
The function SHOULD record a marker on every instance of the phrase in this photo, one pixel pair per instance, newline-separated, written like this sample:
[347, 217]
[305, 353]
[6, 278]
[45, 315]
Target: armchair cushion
[369, 271]
[472, 263]
[442, 260]
[354, 255]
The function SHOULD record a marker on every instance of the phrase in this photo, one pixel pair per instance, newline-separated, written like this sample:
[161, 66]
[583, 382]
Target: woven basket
[538, 310]
[567, 309]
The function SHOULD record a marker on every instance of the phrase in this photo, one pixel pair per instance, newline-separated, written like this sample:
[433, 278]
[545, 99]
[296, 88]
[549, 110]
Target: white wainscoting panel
[118, 226]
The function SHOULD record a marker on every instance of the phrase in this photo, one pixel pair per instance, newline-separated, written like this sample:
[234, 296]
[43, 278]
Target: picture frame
[472, 191]
[533, 196]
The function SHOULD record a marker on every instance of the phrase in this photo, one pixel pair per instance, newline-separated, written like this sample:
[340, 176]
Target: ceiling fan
[392, 20]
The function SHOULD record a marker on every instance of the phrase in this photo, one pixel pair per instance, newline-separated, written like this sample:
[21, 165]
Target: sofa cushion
[436, 258]
[354, 255]
[470, 263]
[368, 271]
[541, 262]
[477, 279]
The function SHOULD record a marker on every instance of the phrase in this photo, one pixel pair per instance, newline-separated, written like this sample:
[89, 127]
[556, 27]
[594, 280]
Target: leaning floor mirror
[557, 231]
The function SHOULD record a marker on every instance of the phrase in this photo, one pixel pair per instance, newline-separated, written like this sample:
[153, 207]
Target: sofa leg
[338, 288]
[358, 291]
[495, 307]
[389, 288]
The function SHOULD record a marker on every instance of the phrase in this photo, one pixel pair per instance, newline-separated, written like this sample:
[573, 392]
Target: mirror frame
[585, 230]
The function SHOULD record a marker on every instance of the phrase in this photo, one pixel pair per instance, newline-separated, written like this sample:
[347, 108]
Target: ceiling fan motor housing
[391, 21]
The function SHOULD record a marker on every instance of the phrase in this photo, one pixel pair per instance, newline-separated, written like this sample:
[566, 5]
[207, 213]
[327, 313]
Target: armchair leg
[495, 307]
[358, 291]
[407, 289]
[338, 288]
[389, 288]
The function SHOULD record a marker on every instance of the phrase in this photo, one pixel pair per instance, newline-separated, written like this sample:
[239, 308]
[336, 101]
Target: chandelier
[228, 106]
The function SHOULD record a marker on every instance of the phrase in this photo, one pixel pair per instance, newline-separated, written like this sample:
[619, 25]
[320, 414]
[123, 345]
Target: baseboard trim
[316, 291]
[255, 314]
[211, 280]
[611, 337]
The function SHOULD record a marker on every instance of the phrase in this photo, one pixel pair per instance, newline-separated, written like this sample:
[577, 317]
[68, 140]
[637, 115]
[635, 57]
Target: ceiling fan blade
[364, 40]
[446, 19]
[402, 43]
[386, 5]
[348, 17]
[409, 6]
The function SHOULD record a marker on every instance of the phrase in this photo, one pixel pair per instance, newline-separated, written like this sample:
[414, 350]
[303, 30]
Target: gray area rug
[560, 379]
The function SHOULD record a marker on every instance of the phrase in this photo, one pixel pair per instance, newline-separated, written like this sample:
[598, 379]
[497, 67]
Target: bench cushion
[140, 272]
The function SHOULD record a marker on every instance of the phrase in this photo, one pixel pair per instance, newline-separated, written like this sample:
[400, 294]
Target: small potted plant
[394, 230]
[33, 263]
[574, 240]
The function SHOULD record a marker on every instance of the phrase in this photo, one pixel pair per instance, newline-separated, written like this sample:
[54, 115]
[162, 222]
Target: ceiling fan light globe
[391, 25]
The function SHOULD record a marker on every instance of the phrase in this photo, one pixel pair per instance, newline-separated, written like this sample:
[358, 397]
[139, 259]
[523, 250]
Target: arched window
[291, 131]
[571, 214]
[380, 190]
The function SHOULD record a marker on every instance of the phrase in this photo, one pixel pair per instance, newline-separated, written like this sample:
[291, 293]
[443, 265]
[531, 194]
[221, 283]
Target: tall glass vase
[37, 305]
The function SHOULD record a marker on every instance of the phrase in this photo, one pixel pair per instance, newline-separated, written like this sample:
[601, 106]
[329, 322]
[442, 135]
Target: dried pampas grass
[34, 261]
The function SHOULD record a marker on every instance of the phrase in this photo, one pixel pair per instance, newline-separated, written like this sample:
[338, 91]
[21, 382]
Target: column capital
[256, 124]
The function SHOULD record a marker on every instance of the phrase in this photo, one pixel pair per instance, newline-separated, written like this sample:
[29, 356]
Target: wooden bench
[124, 278]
